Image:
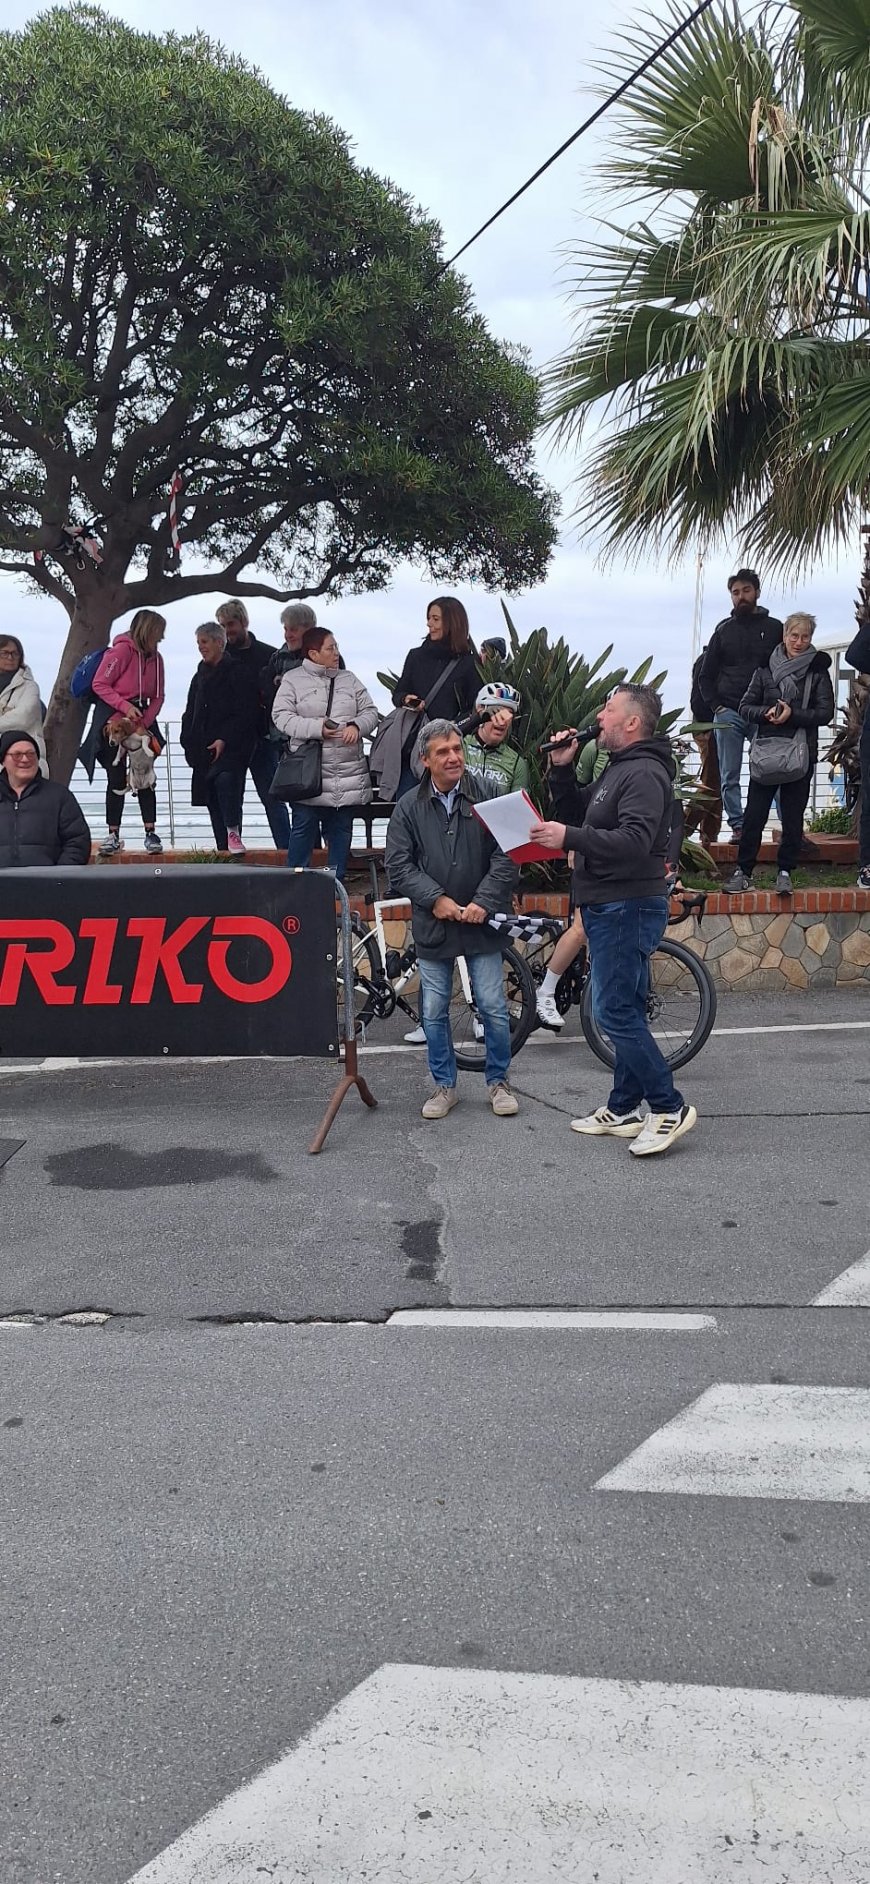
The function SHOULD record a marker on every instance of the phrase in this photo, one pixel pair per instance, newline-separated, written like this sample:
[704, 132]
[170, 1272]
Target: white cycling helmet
[497, 693]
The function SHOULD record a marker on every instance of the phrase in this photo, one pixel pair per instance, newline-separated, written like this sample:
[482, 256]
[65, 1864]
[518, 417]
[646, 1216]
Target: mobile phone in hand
[330, 725]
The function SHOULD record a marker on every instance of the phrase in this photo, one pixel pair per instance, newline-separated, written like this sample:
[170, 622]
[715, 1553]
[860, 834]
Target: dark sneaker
[737, 883]
[783, 885]
[661, 1129]
[153, 843]
[607, 1124]
[863, 878]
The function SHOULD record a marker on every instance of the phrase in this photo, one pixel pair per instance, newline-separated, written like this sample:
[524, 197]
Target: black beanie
[13, 739]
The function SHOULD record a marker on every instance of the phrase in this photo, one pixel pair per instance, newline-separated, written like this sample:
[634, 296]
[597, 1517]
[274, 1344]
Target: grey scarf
[790, 673]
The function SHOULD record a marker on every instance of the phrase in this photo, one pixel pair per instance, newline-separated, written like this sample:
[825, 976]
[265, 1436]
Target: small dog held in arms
[141, 749]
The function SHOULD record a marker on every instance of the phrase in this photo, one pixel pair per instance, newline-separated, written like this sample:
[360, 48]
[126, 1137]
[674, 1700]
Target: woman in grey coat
[320, 700]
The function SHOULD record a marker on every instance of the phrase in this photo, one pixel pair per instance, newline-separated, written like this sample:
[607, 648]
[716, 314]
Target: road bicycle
[681, 1005]
[386, 971]
[681, 1002]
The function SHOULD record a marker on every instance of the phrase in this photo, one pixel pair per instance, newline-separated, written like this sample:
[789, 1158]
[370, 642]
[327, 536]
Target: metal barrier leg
[352, 1075]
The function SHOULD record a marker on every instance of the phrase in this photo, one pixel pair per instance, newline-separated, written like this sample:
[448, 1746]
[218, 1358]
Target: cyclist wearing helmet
[487, 731]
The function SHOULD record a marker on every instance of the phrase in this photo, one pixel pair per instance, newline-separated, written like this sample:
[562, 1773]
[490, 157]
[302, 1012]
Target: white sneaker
[477, 1029]
[111, 844]
[607, 1124]
[661, 1129]
[548, 1013]
[417, 1037]
[234, 845]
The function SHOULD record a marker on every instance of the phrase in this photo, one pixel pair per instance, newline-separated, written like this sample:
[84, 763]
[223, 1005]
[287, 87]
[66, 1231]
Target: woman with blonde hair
[129, 686]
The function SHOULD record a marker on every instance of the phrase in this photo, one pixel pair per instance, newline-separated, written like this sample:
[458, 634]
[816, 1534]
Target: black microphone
[582, 734]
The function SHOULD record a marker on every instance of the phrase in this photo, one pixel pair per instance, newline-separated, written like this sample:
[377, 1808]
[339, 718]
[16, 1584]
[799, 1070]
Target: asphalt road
[225, 1507]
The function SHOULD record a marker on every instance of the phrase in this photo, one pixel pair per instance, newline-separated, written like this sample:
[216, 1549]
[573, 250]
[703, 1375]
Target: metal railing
[187, 827]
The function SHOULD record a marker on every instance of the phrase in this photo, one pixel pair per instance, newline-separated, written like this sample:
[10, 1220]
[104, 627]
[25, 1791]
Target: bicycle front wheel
[681, 1006]
[466, 1026]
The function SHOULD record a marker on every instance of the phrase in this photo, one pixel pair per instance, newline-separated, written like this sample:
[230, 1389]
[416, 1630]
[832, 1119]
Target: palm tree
[723, 346]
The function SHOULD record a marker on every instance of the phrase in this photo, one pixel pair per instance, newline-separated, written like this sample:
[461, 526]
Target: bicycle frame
[400, 982]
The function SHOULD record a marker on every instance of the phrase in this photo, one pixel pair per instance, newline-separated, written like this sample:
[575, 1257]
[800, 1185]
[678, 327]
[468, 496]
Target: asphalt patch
[120, 1168]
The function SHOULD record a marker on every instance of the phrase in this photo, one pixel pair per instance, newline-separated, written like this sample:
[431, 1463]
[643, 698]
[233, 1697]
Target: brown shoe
[442, 1101]
[504, 1102]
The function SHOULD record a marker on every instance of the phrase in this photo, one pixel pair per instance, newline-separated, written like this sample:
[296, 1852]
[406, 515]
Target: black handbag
[299, 773]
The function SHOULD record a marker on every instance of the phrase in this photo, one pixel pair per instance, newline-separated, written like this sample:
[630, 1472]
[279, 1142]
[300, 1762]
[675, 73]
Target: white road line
[849, 1290]
[758, 1442]
[537, 1040]
[796, 1027]
[447, 1773]
[505, 1318]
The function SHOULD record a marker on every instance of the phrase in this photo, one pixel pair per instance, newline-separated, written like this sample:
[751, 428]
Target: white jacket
[299, 712]
[20, 710]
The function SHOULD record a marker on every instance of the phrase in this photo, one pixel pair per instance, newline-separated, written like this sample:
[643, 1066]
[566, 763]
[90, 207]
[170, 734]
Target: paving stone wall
[766, 943]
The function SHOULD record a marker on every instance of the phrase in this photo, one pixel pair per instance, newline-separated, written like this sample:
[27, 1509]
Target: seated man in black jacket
[40, 821]
[618, 830]
[454, 875]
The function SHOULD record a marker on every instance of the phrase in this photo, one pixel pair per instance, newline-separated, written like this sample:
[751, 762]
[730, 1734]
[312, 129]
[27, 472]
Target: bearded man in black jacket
[737, 646]
[618, 829]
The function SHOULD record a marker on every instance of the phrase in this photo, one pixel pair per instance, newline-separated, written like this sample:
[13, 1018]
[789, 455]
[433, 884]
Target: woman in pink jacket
[130, 682]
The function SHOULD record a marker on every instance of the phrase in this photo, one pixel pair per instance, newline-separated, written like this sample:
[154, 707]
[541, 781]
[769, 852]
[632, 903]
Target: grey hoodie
[618, 827]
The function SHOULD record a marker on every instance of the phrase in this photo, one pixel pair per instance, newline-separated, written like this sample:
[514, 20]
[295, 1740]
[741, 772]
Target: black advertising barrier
[206, 961]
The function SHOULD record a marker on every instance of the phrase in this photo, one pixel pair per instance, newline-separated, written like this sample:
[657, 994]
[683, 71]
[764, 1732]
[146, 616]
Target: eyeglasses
[9, 654]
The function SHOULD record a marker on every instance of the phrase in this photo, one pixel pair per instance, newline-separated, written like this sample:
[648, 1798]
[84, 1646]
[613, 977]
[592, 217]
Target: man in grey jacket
[444, 860]
[618, 830]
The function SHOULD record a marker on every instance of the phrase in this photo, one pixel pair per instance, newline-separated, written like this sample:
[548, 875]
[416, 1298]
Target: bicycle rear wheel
[466, 1027]
[681, 1006]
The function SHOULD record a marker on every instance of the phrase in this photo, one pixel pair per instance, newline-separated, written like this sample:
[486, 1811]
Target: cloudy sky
[458, 102]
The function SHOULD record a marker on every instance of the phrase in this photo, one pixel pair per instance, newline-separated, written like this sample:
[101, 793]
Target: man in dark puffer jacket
[40, 821]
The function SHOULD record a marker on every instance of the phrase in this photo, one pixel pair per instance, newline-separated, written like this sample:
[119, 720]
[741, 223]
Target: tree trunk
[89, 629]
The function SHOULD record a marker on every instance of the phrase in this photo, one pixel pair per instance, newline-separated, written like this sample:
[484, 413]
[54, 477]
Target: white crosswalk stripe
[428, 1773]
[849, 1290]
[758, 1442]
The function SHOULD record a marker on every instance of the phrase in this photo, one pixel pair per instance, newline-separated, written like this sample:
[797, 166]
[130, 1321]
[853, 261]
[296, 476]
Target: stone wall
[767, 943]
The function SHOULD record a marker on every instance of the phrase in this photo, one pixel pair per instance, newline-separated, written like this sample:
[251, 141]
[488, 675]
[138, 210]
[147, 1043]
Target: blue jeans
[731, 735]
[622, 937]
[308, 823]
[224, 801]
[261, 765]
[487, 986]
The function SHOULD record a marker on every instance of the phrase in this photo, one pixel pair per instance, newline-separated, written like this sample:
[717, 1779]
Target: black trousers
[793, 800]
[864, 822]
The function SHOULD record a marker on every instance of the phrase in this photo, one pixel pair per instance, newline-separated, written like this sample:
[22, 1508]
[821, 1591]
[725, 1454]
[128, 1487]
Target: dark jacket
[700, 707]
[618, 828]
[422, 671]
[857, 654]
[763, 693]
[45, 825]
[429, 855]
[222, 703]
[253, 661]
[737, 646]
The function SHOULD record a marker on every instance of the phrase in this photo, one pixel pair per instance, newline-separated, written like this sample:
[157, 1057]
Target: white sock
[550, 982]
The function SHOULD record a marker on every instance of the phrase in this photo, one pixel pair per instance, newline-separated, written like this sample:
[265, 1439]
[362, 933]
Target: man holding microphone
[618, 829]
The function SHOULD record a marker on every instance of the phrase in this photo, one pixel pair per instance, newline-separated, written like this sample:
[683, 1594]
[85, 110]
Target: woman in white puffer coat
[319, 700]
[20, 705]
